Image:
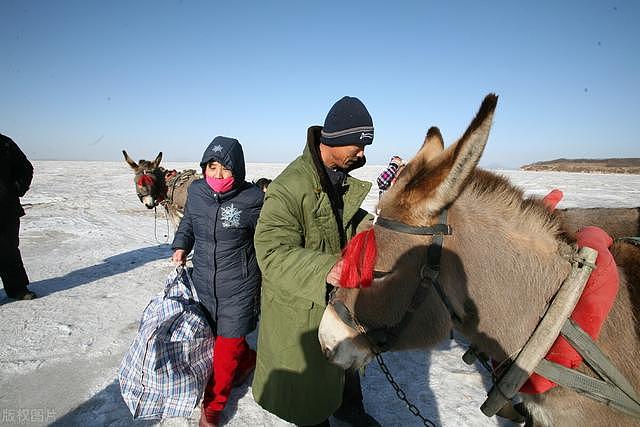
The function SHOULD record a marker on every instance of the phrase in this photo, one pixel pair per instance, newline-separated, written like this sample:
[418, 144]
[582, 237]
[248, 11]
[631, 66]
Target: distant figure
[263, 183]
[219, 223]
[388, 176]
[16, 173]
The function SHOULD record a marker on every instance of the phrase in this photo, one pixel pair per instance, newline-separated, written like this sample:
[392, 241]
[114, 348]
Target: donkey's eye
[380, 274]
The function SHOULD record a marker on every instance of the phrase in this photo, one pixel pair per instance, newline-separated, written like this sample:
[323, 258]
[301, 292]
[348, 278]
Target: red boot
[245, 368]
[210, 419]
[233, 360]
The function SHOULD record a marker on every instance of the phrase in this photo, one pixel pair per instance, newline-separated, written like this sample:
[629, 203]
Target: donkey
[500, 266]
[617, 222]
[156, 185]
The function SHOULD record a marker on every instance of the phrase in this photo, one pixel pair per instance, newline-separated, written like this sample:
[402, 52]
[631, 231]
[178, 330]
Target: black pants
[351, 397]
[14, 277]
[352, 392]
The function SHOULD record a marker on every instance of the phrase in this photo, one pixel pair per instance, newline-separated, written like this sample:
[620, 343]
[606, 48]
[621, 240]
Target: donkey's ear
[433, 144]
[158, 159]
[129, 160]
[437, 181]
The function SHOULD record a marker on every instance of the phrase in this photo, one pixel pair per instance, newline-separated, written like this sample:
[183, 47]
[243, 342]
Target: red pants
[231, 356]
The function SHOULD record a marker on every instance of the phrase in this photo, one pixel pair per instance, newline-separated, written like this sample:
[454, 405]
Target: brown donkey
[499, 268]
[156, 185]
[617, 222]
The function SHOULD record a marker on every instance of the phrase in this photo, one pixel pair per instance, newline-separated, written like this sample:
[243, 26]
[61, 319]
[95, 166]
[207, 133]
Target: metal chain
[383, 366]
[401, 394]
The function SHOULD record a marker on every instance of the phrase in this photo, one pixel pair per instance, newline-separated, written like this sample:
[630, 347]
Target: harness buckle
[428, 272]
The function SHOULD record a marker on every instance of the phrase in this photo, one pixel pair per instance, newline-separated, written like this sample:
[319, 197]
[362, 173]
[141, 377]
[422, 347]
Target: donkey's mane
[497, 191]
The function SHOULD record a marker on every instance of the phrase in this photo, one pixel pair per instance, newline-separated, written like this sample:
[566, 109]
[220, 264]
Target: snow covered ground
[95, 256]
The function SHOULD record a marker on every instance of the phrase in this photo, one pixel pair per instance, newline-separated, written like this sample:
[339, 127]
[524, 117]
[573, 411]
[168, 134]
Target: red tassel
[359, 258]
[145, 180]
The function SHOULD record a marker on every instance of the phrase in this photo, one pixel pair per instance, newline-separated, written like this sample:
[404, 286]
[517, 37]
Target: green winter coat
[297, 242]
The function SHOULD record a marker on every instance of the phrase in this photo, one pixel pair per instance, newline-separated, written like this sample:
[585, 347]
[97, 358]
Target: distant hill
[624, 165]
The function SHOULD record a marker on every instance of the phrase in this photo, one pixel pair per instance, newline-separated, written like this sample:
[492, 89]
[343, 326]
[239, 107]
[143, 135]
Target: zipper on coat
[215, 248]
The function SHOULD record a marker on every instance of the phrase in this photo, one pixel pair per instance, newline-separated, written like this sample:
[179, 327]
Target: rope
[155, 226]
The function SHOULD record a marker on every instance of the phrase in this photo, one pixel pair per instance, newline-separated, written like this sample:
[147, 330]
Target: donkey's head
[149, 180]
[409, 231]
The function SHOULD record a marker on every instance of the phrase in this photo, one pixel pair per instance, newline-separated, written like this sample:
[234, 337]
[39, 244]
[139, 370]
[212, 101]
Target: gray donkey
[157, 186]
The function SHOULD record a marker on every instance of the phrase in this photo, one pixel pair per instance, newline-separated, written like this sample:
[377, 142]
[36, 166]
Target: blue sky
[86, 79]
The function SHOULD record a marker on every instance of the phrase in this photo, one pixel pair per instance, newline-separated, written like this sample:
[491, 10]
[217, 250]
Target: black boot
[351, 412]
[25, 295]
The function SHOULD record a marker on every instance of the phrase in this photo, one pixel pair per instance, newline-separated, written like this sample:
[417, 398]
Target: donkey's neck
[511, 268]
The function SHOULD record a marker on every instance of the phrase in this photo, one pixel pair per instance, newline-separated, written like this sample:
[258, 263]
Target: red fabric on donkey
[359, 258]
[592, 308]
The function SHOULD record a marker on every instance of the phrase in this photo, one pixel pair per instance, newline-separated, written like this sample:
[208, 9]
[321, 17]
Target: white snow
[95, 256]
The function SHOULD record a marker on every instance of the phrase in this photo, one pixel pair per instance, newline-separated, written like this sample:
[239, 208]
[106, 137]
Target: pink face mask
[220, 185]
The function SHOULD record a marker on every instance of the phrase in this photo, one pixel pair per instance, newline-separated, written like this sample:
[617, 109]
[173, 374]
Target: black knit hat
[348, 123]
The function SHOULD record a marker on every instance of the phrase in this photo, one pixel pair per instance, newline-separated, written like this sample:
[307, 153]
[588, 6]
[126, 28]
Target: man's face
[347, 156]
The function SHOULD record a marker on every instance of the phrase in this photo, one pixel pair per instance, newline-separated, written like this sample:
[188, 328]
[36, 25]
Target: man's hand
[333, 278]
[179, 257]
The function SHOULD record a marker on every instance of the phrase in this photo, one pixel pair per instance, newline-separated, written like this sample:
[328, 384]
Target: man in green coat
[310, 212]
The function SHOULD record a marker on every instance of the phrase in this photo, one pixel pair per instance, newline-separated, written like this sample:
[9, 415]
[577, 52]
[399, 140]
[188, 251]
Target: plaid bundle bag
[170, 360]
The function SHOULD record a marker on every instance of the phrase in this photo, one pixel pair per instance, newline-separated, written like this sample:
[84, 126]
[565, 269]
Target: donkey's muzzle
[339, 342]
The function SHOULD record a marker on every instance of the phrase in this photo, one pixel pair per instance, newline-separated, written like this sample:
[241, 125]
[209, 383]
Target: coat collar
[354, 196]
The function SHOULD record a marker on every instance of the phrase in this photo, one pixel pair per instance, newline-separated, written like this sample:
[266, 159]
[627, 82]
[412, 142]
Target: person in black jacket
[219, 221]
[16, 173]
[263, 183]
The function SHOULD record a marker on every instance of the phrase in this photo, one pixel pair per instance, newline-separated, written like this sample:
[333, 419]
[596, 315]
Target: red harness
[592, 309]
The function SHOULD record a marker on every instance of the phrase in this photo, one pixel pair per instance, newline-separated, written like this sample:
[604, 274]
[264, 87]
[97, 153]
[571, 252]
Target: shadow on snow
[110, 266]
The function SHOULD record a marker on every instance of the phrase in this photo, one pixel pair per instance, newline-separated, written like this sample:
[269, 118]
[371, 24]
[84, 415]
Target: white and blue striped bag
[170, 360]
